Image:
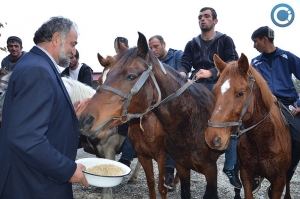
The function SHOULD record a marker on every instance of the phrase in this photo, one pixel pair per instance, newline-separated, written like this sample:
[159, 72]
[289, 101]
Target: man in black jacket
[198, 53]
[78, 71]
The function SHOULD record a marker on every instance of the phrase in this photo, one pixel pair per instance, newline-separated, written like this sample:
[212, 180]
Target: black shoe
[256, 183]
[169, 181]
[233, 178]
[268, 194]
[126, 162]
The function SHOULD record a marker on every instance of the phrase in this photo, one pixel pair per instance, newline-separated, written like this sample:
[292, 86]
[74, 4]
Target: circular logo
[282, 15]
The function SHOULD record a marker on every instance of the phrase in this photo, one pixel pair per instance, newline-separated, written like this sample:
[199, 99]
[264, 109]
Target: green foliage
[2, 48]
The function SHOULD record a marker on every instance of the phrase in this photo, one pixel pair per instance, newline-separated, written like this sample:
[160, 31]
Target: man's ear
[56, 39]
[215, 21]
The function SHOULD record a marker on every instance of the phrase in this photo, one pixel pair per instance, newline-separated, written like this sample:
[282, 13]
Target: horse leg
[176, 180]
[135, 173]
[237, 193]
[148, 168]
[185, 176]
[247, 180]
[161, 163]
[211, 172]
[277, 186]
[287, 191]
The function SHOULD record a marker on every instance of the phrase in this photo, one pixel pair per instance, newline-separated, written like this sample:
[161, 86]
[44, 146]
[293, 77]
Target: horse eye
[240, 94]
[131, 77]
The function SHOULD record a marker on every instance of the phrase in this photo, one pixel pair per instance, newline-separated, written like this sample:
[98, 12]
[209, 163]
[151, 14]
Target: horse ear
[105, 62]
[243, 63]
[219, 63]
[142, 46]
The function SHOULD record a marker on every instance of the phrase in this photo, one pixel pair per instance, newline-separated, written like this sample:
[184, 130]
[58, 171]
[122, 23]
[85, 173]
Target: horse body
[147, 137]
[264, 147]
[183, 118]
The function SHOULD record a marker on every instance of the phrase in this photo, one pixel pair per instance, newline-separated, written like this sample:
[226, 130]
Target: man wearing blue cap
[14, 46]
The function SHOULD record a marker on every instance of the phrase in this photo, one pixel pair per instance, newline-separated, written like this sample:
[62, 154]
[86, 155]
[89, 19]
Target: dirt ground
[139, 189]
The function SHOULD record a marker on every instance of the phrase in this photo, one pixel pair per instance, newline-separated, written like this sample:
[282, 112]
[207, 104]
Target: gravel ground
[139, 189]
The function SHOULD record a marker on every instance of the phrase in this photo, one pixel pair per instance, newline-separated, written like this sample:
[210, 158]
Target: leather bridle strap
[239, 124]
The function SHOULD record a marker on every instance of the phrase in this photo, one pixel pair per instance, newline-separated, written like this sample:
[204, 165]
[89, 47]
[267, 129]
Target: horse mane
[124, 59]
[77, 90]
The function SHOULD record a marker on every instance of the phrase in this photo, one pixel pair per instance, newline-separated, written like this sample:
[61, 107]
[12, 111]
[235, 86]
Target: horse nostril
[86, 123]
[217, 141]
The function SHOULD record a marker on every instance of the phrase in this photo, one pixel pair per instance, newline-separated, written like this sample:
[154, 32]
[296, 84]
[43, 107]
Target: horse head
[122, 94]
[234, 103]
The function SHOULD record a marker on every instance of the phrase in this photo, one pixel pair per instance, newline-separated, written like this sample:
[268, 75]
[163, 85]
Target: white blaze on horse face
[104, 75]
[225, 86]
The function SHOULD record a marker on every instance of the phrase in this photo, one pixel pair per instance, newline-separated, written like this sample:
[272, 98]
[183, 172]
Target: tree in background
[2, 48]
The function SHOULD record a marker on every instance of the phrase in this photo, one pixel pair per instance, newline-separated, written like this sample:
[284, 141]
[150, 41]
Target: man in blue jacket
[277, 66]
[40, 130]
[172, 58]
[198, 54]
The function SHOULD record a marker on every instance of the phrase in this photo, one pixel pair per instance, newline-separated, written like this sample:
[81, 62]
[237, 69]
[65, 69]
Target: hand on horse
[202, 73]
[78, 176]
[295, 111]
[79, 106]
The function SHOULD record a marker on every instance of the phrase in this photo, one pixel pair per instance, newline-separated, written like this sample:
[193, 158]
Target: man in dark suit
[40, 130]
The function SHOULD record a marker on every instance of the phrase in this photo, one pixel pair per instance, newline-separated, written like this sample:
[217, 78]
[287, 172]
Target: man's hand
[202, 73]
[79, 106]
[295, 111]
[78, 176]
[183, 74]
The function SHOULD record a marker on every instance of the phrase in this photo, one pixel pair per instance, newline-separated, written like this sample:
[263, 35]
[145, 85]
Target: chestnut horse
[245, 104]
[147, 137]
[136, 84]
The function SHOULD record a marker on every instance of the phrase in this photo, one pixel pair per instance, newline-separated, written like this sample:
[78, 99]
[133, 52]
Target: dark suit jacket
[40, 131]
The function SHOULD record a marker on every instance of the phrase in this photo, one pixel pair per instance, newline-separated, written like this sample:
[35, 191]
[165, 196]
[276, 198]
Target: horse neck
[259, 110]
[188, 104]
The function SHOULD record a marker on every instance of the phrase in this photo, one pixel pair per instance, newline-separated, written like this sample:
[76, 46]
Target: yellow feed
[105, 170]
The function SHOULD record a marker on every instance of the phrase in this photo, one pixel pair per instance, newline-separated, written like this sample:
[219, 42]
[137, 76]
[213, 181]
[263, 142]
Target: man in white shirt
[78, 71]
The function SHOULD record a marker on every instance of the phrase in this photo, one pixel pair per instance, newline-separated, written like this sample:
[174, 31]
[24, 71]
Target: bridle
[125, 116]
[239, 124]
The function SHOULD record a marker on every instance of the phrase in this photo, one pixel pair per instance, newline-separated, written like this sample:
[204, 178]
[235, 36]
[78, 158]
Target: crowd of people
[39, 142]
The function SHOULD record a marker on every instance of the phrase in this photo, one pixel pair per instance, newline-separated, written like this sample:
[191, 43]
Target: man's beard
[63, 60]
[206, 29]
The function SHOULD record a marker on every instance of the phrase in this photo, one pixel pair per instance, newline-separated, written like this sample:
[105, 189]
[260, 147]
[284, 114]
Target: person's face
[157, 48]
[67, 48]
[73, 62]
[15, 49]
[259, 44]
[206, 21]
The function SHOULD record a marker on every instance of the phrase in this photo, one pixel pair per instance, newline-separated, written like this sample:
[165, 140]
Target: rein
[135, 89]
[239, 124]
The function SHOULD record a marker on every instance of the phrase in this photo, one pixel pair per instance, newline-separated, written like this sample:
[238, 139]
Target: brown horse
[147, 137]
[135, 85]
[244, 104]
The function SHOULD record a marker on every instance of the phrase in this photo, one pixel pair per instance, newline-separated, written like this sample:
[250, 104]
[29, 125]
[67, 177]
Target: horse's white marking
[225, 86]
[218, 111]
[104, 75]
